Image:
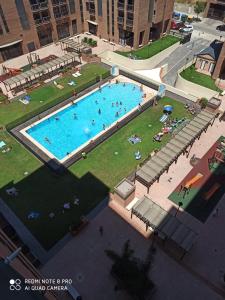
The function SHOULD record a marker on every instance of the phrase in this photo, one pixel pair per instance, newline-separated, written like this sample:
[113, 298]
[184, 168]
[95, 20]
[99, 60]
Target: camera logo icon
[15, 284]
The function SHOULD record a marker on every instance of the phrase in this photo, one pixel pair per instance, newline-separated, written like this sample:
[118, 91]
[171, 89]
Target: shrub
[203, 102]
[94, 43]
[90, 41]
[85, 39]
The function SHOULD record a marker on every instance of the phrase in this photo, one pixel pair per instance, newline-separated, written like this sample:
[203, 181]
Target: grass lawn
[90, 179]
[192, 75]
[47, 94]
[152, 49]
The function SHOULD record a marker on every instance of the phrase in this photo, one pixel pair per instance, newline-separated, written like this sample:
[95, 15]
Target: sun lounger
[12, 191]
[6, 150]
[75, 75]
[2, 144]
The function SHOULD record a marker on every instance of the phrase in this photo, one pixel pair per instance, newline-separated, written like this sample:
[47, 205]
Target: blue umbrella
[168, 108]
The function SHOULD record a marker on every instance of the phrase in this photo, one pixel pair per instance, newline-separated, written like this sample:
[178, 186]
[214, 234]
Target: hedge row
[56, 101]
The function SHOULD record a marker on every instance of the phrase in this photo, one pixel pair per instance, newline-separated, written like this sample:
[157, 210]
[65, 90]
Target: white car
[187, 28]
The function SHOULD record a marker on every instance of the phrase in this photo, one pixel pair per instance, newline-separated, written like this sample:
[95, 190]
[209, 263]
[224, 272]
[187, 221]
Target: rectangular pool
[74, 125]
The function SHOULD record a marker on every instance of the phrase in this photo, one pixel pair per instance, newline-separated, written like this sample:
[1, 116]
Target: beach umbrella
[168, 108]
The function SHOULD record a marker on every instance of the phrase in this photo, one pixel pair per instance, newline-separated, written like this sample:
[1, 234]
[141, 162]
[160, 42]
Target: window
[100, 7]
[113, 31]
[63, 30]
[1, 30]
[3, 20]
[22, 14]
[74, 26]
[72, 6]
[108, 29]
[60, 11]
[81, 11]
[31, 46]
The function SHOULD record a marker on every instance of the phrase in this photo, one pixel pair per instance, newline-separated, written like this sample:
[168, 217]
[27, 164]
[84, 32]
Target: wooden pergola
[39, 72]
[152, 170]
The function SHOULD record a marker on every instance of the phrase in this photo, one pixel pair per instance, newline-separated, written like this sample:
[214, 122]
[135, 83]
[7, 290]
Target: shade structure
[151, 170]
[167, 225]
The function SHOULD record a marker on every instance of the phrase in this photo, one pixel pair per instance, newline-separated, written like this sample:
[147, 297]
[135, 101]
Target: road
[181, 56]
[209, 26]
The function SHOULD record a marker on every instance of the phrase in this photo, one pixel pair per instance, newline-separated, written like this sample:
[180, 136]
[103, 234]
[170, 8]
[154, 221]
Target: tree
[199, 7]
[131, 273]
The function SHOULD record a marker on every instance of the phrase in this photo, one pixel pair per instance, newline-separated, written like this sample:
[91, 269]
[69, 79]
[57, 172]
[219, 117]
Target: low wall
[194, 89]
[171, 91]
[113, 58]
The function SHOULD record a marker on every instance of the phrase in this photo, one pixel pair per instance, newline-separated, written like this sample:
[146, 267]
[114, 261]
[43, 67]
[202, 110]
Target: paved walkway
[83, 260]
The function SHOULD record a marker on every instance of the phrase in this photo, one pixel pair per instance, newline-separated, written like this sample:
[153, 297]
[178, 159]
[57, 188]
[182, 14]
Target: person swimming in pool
[93, 122]
[99, 111]
[57, 118]
[103, 126]
[112, 104]
[96, 101]
[75, 116]
[117, 114]
[121, 103]
[47, 140]
[117, 103]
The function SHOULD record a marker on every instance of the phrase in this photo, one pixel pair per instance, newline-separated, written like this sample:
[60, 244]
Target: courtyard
[43, 192]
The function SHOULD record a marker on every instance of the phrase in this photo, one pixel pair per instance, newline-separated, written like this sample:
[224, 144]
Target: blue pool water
[65, 131]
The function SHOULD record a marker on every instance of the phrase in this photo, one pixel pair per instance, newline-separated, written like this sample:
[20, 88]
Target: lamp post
[178, 208]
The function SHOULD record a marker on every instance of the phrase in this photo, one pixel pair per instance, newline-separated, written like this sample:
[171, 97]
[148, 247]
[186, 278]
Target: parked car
[176, 25]
[221, 27]
[186, 28]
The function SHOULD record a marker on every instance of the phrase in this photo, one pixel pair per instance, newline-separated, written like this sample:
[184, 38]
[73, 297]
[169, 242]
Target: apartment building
[26, 25]
[132, 22]
[215, 9]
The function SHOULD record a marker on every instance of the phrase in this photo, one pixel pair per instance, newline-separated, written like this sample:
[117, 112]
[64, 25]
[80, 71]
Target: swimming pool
[71, 127]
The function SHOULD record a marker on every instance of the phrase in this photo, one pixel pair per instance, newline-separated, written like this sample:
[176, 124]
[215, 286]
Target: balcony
[39, 6]
[92, 11]
[42, 20]
[60, 16]
[120, 20]
[130, 7]
[129, 23]
[120, 5]
[58, 2]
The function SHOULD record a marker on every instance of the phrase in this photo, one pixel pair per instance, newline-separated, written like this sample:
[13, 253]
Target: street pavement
[181, 56]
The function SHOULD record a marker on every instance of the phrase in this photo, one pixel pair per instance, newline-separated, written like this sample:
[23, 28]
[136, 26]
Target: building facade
[26, 25]
[131, 22]
[215, 9]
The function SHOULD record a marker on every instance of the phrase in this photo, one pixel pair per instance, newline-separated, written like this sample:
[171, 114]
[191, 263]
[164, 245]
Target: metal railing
[120, 20]
[42, 20]
[39, 6]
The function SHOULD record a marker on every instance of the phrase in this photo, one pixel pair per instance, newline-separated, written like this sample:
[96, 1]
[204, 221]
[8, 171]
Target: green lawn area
[90, 179]
[192, 75]
[152, 49]
[48, 94]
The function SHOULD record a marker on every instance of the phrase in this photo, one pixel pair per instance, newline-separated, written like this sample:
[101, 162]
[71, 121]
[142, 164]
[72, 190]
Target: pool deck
[46, 156]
